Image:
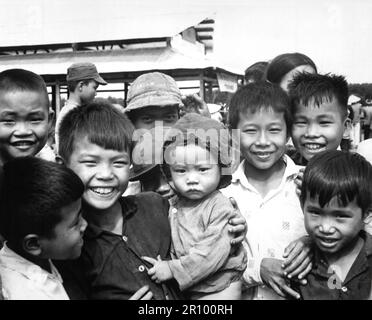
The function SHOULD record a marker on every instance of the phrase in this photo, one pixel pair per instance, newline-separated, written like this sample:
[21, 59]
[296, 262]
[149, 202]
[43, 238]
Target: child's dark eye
[249, 131]
[313, 213]
[300, 122]
[203, 169]
[88, 162]
[275, 130]
[7, 121]
[120, 163]
[179, 170]
[170, 118]
[37, 120]
[147, 119]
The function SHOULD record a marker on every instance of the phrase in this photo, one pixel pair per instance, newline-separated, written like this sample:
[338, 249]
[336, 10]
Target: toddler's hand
[160, 271]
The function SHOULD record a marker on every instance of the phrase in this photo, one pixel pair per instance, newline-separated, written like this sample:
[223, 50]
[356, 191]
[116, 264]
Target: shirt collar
[291, 171]
[129, 207]
[321, 266]
[30, 270]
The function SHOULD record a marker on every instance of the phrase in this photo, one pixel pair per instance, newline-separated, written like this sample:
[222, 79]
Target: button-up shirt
[110, 266]
[273, 222]
[24, 280]
[323, 283]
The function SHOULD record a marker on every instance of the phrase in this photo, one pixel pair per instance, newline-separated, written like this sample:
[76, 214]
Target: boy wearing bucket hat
[83, 80]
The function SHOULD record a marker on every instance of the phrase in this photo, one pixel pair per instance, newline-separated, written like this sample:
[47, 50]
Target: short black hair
[22, 80]
[341, 174]
[101, 123]
[256, 96]
[284, 63]
[319, 88]
[35, 192]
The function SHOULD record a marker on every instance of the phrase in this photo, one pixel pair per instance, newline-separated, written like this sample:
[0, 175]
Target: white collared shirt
[24, 280]
[273, 222]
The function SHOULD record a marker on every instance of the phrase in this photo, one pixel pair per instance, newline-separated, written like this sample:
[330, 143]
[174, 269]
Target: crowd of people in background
[268, 196]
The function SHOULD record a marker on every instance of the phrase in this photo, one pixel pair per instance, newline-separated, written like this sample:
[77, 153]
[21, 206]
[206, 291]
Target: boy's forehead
[248, 114]
[83, 145]
[319, 103]
[32, 98]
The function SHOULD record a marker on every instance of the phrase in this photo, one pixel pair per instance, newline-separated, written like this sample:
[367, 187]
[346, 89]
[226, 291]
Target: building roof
[110, 61]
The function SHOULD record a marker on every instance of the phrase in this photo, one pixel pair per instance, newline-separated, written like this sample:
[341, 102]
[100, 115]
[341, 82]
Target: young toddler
[197, 162]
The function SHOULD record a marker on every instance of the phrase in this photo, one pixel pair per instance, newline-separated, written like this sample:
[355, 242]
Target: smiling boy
[24, 114]
[336, 196]
[319, 109]
[264, 188]
[95, 143]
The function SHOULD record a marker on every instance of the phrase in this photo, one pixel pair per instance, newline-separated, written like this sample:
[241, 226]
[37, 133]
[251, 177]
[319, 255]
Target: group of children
[71, 234]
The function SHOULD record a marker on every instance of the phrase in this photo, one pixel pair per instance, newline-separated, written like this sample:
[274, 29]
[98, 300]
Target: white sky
[336, 34]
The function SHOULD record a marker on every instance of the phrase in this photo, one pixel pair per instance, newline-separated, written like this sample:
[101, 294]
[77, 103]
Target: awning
[111, 61]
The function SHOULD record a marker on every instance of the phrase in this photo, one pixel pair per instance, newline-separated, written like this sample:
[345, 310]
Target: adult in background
[283, 68]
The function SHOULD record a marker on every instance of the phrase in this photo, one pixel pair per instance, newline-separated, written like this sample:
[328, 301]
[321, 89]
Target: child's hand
[272, 275]
[298, 256]
[143, 293]
[298, 181]
[160, 271]
[238, 225]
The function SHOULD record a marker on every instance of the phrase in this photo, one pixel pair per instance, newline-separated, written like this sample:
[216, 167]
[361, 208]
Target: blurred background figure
[355, 102]
[283, 68]
[365, 149]
[367, 121]
[215, 111]
[255, 72]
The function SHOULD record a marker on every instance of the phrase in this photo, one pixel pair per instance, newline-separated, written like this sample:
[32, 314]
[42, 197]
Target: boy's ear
[347, 123]
[31, 245]
[80, 85]
[50, 117]
[60, 160]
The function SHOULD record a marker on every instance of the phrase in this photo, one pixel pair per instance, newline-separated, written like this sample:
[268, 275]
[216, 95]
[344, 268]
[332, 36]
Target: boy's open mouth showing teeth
[22, 144]
[313, 146]
[102, 190]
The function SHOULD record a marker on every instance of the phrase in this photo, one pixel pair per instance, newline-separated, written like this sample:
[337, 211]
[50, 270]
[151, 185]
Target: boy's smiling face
[24, 123]
[105, 173]
[318, 128]
[334, 228]
[263, 137]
